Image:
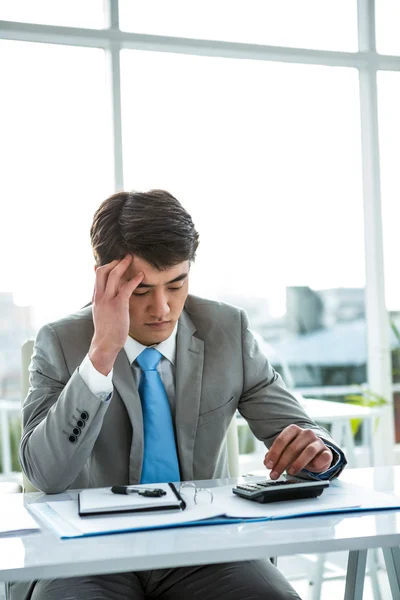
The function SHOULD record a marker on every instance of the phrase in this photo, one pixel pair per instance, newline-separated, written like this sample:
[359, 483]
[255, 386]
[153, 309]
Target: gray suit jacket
[219, 368]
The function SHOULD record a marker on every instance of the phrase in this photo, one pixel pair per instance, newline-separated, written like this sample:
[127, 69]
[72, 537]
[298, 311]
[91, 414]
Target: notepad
[97, 501]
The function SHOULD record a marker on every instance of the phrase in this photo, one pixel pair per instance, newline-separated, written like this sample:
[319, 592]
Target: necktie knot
[149, 359]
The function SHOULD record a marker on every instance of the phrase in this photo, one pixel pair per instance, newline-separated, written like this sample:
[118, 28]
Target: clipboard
[102, 501]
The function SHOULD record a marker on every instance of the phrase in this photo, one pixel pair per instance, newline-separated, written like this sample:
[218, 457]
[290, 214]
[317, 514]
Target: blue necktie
[160, 459]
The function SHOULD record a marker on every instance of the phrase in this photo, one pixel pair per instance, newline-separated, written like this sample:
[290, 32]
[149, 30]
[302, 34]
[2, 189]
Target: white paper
[63, 518]
[14, 518]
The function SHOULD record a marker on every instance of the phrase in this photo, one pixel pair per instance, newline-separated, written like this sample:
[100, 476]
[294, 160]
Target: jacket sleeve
[61, 418]
[266, 404]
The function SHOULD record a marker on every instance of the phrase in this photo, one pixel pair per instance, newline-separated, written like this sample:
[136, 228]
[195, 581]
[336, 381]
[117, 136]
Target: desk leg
[392, 561]
[373, 568]
[317, 578]
[355, 575]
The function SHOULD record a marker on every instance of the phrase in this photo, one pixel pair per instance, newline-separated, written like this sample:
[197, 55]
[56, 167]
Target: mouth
[158, 325]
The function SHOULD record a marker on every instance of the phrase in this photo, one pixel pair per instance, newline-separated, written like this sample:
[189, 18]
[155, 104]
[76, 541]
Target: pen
[147, 492]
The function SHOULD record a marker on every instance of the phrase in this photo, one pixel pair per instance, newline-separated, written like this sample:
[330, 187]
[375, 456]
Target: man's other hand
[111, 312]
[295, 449]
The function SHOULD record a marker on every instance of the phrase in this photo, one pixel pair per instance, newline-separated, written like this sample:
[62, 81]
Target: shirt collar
[167, 348]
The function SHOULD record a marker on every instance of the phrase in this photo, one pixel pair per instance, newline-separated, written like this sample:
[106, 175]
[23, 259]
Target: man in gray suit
[90, 421]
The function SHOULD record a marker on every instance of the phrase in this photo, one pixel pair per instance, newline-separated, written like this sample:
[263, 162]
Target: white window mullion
[379, 359]
[114, 72]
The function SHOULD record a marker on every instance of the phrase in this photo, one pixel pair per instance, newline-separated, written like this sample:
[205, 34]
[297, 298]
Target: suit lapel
[189, 375]
[124, 383]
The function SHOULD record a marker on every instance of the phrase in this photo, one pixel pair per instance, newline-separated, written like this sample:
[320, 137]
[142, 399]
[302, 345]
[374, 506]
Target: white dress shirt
[101, 385]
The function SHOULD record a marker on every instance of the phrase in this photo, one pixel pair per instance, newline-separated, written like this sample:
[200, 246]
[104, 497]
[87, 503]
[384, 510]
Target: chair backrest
[26, 355]
[10, 487]
[232, 442]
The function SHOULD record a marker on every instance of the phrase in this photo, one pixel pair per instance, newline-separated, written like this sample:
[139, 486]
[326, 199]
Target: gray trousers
[250, 580]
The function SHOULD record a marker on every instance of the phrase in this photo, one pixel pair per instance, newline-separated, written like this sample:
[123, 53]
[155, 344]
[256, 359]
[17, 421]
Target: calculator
[282, 489]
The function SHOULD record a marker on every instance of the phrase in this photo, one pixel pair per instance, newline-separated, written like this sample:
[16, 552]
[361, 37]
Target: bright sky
[265, 156]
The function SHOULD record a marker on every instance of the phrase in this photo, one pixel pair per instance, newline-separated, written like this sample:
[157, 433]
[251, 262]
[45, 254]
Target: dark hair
[152, 225]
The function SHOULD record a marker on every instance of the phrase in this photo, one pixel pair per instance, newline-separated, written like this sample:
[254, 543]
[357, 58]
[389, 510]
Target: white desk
[42, 555]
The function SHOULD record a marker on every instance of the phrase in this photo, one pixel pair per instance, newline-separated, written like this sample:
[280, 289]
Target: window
[68, 13]
[327, 25]
[55, 152]
[389, 129]
[387, 26]
[265, 155]
[266, 158]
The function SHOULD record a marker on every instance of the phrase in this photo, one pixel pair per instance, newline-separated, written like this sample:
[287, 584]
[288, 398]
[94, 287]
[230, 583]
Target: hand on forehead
[139, 265]
[154, 276]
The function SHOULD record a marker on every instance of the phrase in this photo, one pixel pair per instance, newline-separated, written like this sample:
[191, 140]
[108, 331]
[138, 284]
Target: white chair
[8, 408]
[26, 355]
[232, 442]
[10, 487]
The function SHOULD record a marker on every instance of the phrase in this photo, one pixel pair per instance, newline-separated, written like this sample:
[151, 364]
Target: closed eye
[172, 289]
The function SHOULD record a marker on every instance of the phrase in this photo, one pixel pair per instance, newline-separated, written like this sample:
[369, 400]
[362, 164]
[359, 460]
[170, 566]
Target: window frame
[366, 60]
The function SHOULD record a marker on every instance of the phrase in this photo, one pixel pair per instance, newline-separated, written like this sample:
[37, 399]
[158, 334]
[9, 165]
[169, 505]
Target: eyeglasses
[196, 491]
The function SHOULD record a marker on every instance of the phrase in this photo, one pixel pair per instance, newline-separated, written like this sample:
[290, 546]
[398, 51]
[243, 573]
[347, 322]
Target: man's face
[156, 304]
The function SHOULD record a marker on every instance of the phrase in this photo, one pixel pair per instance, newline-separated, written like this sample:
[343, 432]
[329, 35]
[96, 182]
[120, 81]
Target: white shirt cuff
[98, 384]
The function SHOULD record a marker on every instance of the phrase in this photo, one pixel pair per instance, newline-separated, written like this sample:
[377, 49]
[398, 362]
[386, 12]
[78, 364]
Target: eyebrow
[179, 278]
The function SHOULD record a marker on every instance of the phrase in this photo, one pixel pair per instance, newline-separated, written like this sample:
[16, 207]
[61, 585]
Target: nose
[159, 307]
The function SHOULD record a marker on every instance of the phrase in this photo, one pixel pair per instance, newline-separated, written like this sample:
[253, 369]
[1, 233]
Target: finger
[310, 453]
[322, 462]
[305, 439]
[101, 276]
[114, 276]
[279, 445]
[130, 286]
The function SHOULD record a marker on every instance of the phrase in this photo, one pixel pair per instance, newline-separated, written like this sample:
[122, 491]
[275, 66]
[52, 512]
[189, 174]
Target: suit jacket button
[72, 439]
[80, 423]
[84, 415]
[76, 431]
